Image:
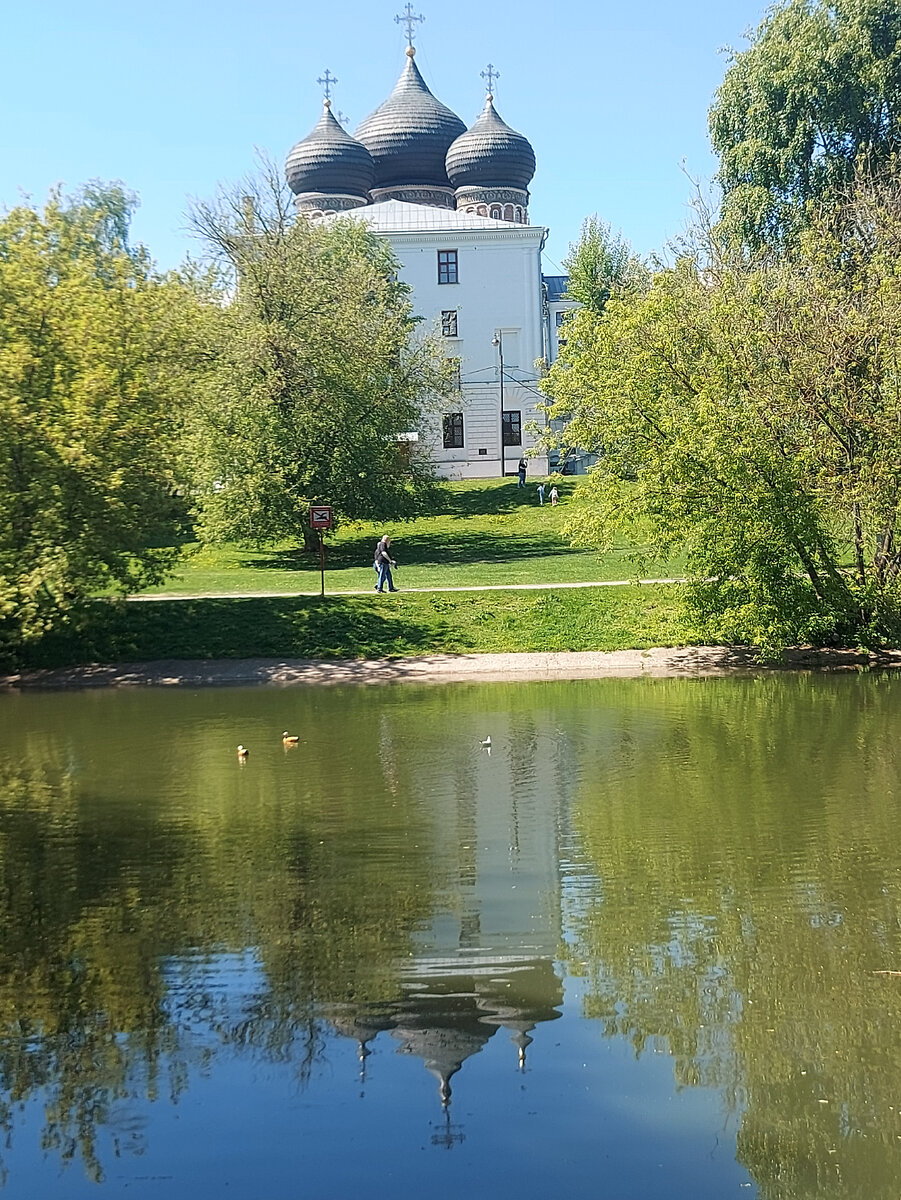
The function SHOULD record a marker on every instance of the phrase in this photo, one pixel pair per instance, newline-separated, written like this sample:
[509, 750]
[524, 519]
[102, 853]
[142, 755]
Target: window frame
[449, 323]
[511, 419]
[453, 421]
[448, 267]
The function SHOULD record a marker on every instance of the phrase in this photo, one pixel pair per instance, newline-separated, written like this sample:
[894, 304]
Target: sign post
[321, 518]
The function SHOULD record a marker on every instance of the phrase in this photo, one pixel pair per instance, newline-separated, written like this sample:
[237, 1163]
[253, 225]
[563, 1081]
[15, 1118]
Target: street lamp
[498, 340]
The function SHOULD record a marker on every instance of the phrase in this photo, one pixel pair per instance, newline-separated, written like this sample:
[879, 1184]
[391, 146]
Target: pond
[647, 944]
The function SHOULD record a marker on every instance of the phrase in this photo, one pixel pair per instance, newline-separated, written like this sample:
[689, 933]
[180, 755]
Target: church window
[483, 210]
[453, 431]
[447, 266]
[508, 212]
[449, 322]
[496, 212]
[512, 428]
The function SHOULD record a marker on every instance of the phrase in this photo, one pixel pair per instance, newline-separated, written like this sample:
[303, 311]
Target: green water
[641, 948]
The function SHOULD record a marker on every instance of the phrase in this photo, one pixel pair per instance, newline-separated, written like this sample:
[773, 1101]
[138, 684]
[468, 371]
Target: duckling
[290, 739]
[242, 752]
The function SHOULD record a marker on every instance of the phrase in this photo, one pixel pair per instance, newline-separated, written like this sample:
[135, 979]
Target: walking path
[470, 587]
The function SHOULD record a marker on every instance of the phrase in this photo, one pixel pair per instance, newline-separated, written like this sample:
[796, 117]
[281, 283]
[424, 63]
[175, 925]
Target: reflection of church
[449, 1009]
[485, 964]
[453, 204]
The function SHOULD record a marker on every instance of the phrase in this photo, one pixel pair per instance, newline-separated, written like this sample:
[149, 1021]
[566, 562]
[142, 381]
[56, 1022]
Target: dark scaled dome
[329, 161]
[409, 134]
[491, 154]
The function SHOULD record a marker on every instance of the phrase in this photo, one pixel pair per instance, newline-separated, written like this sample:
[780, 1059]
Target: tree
[317, 371]
[89, 400]
[601, 263]
[815, 98]
[749, 416]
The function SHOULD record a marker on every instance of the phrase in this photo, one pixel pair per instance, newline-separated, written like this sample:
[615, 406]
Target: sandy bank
[687, 662]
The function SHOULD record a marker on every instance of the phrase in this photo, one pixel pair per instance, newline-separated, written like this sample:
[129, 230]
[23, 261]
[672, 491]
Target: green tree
[749, 416]
[815, 97]
[90, 395]
[317, 370]
[601, 263]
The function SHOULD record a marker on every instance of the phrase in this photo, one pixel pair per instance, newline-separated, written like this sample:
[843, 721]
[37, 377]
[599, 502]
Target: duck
[243, 752]
[487, 742]
[290, 739]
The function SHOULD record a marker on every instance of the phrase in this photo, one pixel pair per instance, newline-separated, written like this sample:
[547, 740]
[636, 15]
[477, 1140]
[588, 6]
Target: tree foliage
[317, 368]
[749, 416]
[600, 263]
[813, 100]
[90, 394]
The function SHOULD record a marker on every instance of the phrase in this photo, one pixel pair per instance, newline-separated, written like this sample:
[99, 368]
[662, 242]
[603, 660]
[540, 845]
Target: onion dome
[330, 162]
[491, 154]
[409, 134]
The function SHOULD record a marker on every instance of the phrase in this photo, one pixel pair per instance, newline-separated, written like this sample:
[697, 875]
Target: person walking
[522, 473]
[555, 495]
[383, 564]
[541, 494]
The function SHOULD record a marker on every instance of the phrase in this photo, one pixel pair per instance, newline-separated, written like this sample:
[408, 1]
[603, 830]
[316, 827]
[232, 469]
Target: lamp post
[498, 340]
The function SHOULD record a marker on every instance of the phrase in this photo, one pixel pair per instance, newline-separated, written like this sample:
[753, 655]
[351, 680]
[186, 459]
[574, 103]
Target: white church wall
[498, 291]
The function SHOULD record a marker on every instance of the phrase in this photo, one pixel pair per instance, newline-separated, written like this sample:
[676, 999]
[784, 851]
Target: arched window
[483, 210]
[520, 215]
[496, 211]
[508, 212]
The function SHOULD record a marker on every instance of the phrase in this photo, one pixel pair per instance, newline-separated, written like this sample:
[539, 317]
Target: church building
[454, 205]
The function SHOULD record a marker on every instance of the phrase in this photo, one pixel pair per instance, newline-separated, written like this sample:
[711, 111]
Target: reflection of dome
[490, 154]
[443, 1049]
[329, 164]
[409, 134]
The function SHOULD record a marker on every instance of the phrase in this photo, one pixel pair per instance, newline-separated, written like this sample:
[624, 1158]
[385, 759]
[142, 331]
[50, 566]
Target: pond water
[642, 947]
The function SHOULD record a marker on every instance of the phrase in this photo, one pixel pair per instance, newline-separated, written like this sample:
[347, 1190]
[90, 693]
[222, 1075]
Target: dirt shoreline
[686, 662]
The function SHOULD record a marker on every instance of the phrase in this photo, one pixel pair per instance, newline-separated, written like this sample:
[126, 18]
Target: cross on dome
[490, 74]
[327, 81]
[408, 18]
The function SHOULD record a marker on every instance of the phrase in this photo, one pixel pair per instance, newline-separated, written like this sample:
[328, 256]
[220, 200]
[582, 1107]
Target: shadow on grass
[291, 627]
[425, 550]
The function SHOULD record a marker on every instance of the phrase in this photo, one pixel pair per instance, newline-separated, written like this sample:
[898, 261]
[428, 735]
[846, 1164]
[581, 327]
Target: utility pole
[498, 340]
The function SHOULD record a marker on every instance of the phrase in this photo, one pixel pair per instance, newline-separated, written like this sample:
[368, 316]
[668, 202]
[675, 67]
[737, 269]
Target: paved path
[473, 587]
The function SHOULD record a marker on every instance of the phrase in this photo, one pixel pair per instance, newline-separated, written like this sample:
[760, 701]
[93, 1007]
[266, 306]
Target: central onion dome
[328, 170]
[408, 137]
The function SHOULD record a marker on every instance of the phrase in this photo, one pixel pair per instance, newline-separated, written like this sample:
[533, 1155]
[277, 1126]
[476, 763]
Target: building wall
[498, 291]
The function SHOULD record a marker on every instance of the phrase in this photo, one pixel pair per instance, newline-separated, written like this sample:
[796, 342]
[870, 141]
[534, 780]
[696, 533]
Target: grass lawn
[489, 532]
[633, 616]
[486, 532]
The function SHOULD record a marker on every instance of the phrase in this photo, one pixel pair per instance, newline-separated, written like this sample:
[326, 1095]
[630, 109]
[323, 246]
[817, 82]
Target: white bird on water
[487, 742]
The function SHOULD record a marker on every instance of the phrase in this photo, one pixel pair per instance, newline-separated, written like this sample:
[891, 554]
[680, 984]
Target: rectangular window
[447, 266]
[513, 428]
[559, 317]
[453, 431]
[449, 322]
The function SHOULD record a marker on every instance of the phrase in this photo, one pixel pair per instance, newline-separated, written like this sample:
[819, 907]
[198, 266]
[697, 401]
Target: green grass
[489, 532]
[347, 627]
[486, 532]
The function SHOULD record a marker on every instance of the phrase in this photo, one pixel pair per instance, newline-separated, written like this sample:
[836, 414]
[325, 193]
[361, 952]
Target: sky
[173, 98]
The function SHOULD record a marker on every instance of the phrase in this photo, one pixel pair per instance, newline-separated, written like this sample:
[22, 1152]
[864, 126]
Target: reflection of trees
[113, 908]
[745, 841]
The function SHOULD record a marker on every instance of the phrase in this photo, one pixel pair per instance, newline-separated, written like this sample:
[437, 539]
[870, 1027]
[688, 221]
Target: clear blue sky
[172, 98]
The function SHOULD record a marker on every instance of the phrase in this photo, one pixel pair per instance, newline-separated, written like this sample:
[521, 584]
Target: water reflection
[713, 867]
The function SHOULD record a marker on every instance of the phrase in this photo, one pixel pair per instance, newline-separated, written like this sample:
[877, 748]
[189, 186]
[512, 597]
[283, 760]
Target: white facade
[487, 286]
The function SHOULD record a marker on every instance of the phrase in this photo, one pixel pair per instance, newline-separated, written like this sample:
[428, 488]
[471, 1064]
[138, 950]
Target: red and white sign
[321, 516]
